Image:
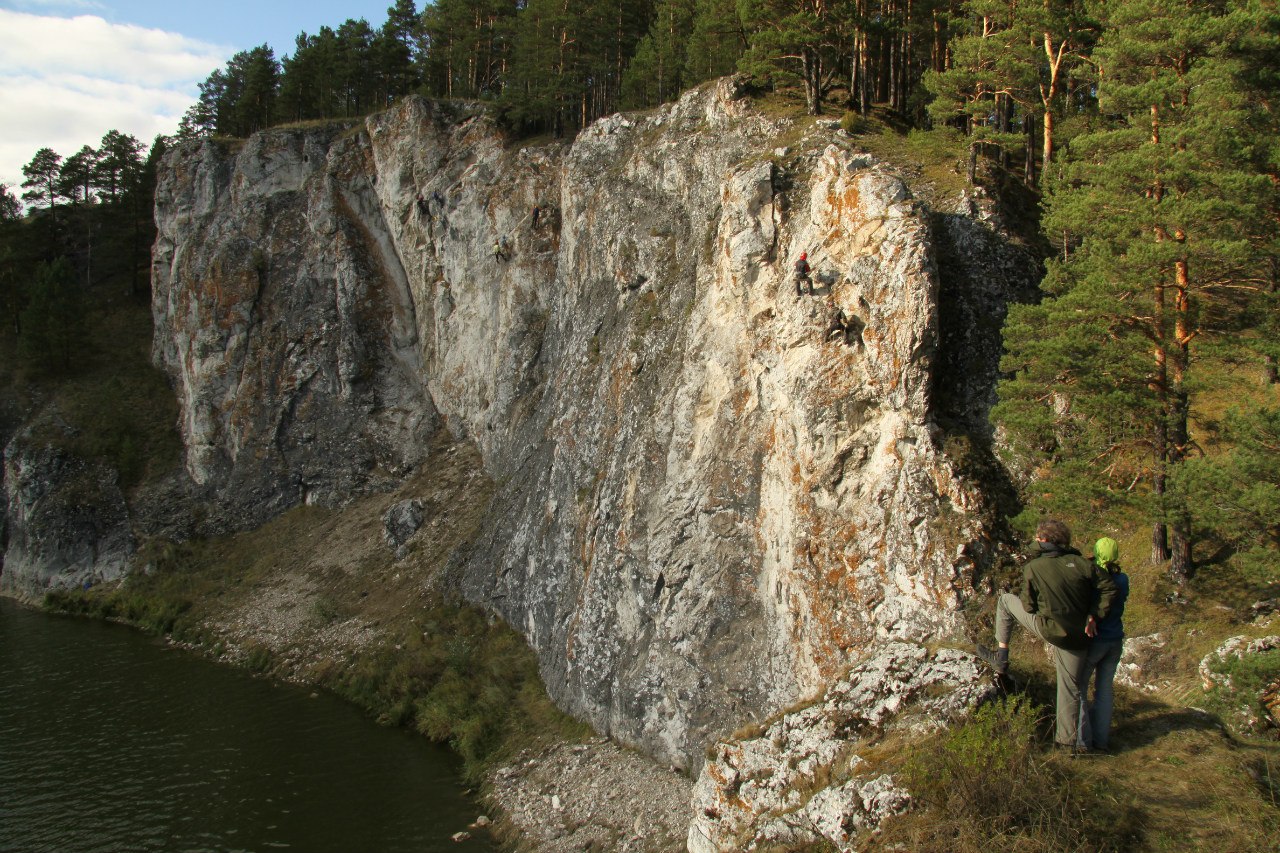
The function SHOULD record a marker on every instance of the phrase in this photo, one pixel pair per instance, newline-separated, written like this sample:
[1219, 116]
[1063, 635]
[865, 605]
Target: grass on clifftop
[1176, 782]
[1190, 768]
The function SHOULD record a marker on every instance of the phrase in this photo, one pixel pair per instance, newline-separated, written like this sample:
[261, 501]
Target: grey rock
[401, 521]
[801, 779]
[67, 519]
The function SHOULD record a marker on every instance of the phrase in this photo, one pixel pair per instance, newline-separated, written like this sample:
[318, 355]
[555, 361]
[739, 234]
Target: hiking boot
[997, 659]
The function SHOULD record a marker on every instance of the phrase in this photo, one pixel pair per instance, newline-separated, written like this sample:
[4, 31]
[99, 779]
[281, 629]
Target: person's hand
[1091, 627]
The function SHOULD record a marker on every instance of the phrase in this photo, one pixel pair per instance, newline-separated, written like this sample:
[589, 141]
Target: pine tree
[1013, 62]
[10, 206]
[119, 164]
[657, 72]
[257, 77]
[395, 47]
[354, 67]
[567, 61]
[1240, 492]
[10, 294]
[1159, 203]
[796, 40]
[307, 84]
[42, 175]
[77, 177]
[717, 40]
[53, 322]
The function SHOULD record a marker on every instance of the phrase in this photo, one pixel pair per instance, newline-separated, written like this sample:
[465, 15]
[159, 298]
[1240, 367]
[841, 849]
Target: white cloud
[64, 82]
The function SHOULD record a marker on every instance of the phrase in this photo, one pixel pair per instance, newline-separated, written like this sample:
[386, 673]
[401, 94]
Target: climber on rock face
[839, 322]
[422, 206]
[843, 326]
[500, 249]
[853, 327]
[802, 275]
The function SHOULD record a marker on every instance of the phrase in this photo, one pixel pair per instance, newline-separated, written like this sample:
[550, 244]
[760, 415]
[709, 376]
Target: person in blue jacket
[1105, 649]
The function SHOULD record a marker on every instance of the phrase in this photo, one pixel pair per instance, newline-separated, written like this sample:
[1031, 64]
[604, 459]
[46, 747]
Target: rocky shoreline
[592, 796]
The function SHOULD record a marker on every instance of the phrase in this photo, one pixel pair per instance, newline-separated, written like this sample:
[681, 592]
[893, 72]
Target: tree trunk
[1048, 142]
[1160, 379]
[1160, 440]
[812, 81]
[864, 81]
[1271, 370]
[1029, 152]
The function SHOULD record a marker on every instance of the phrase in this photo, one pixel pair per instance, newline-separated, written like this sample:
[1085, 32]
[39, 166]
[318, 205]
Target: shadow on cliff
[984, 266]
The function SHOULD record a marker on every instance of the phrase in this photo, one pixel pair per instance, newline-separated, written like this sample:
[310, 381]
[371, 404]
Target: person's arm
[1029, 596]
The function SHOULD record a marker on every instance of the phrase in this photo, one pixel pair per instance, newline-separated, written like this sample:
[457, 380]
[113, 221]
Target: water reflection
[110, 741]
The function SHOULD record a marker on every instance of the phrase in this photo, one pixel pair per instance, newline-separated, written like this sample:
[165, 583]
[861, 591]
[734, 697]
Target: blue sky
[70, 70]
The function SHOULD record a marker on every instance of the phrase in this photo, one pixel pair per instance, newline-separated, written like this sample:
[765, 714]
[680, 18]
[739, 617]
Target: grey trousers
[1073, 723]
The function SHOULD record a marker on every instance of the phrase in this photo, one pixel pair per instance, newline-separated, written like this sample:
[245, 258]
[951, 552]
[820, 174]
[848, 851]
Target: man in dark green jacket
[1063, 597]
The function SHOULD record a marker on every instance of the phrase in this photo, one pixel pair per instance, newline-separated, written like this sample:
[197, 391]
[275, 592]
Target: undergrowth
[1238, 697]
[987, 785]
[460, 678]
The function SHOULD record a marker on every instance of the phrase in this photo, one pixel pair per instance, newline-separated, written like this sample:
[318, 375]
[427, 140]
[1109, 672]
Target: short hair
[1054, 532]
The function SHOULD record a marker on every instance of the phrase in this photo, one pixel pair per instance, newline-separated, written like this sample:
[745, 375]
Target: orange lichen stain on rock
[219, 298]
[835, 380]
[826, 563]
[620, 381]
[846, 205]
[741, 396]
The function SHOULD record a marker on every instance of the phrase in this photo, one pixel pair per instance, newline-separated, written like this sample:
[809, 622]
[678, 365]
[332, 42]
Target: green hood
[1106, 551]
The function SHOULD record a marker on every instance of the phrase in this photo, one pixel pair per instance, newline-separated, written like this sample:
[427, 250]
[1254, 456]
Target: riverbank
[350, 601]
[590, 796]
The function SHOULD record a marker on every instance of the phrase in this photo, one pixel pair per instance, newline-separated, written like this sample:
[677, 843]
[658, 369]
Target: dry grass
[1174, 781]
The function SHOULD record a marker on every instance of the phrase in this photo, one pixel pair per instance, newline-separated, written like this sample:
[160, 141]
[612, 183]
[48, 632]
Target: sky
[70, 70]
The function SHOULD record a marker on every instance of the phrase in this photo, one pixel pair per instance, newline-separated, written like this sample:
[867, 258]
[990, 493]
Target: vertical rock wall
[704, 509]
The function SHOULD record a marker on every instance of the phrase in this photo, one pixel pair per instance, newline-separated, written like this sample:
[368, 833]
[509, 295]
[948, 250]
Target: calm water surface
[109, 741]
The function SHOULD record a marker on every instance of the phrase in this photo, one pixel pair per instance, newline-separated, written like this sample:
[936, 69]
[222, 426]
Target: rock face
[285, 320]
[705, 510]
[67, 520]
[802, 779]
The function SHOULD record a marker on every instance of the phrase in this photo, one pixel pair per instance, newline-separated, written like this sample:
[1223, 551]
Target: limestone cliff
[66, 521]
[705, 509]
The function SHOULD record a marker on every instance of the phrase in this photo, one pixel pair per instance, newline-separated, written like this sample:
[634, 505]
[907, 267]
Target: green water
[109, 741]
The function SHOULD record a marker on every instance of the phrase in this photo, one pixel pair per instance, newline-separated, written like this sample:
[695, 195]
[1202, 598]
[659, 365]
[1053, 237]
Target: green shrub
[854, 124]
[325, 611]
[986, 785]
[258, 659]
[998, 742]
[464, 681]
[1238, 700]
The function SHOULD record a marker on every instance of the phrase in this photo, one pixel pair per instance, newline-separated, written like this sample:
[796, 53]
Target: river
[111, 741]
